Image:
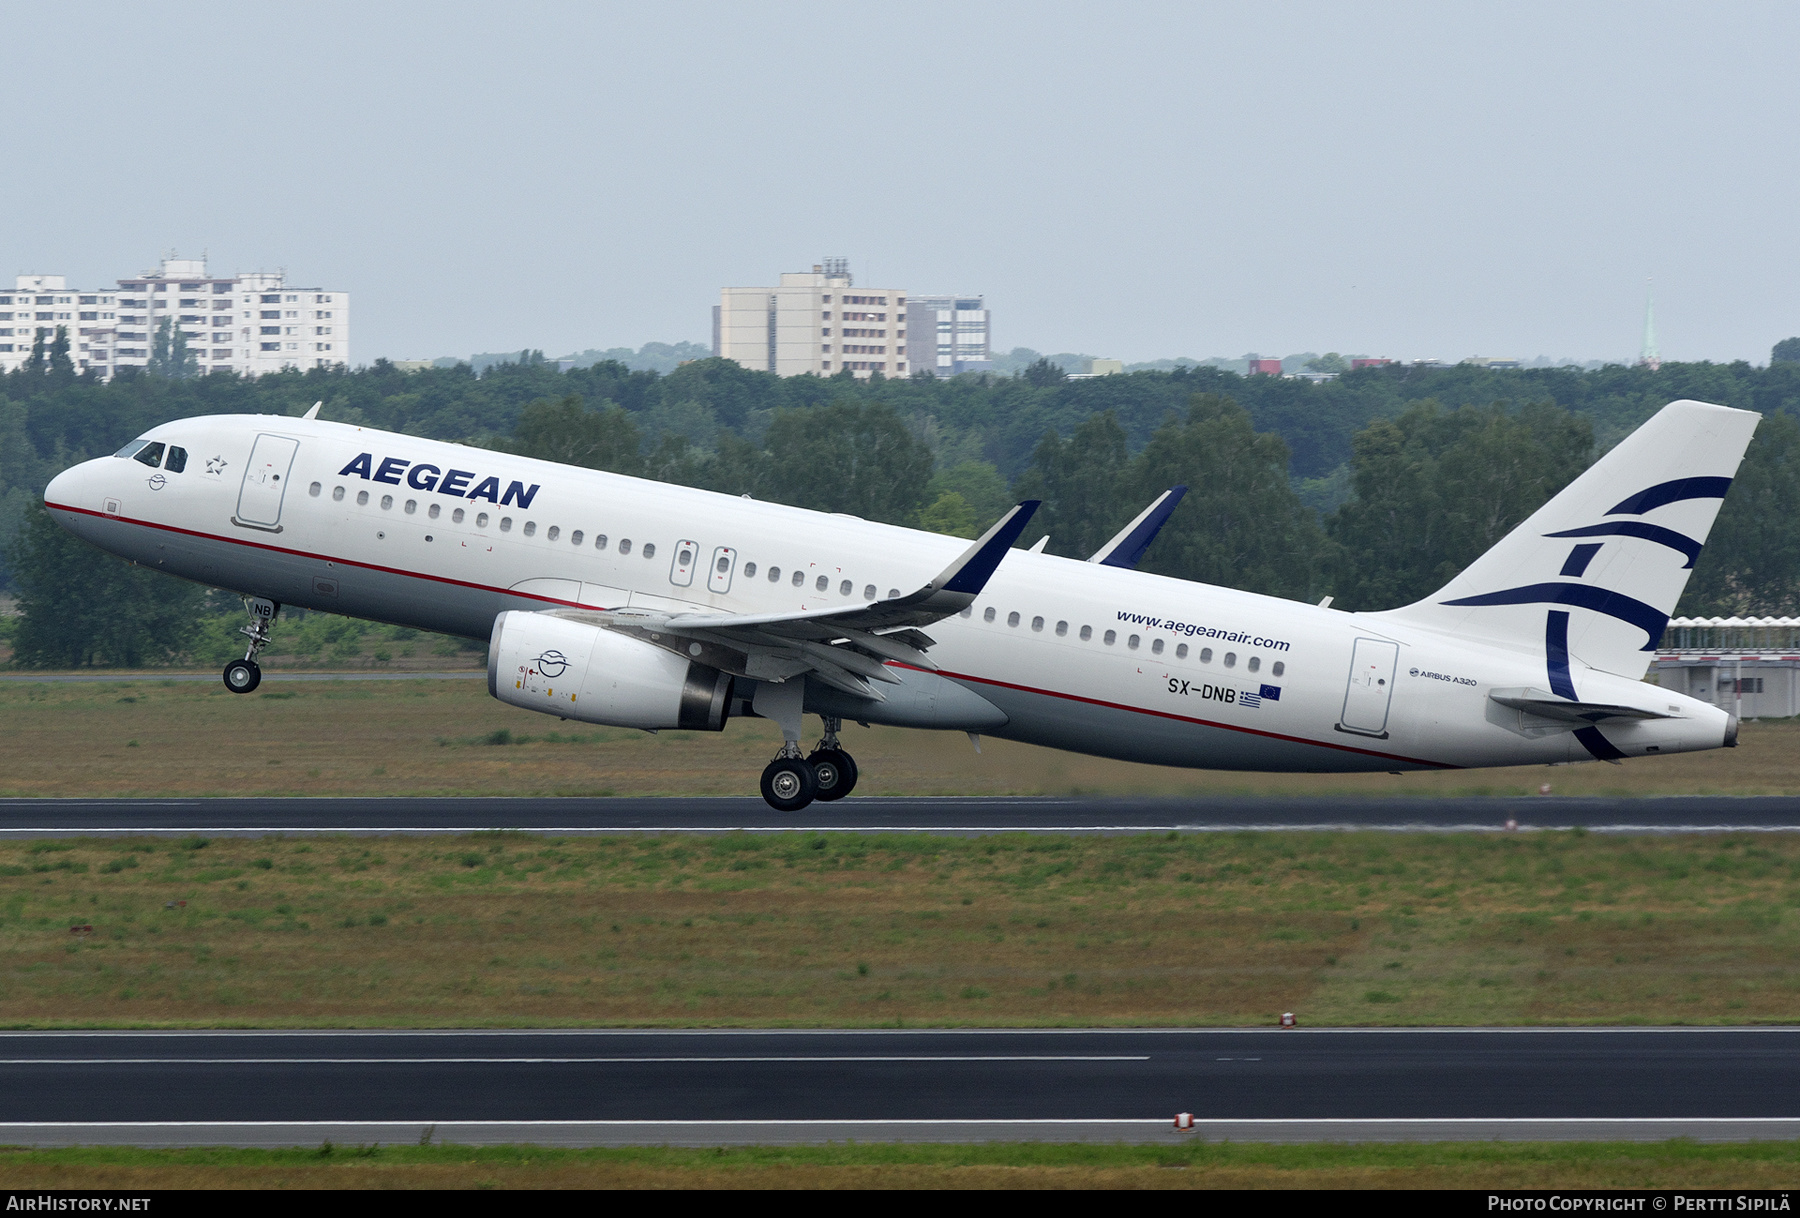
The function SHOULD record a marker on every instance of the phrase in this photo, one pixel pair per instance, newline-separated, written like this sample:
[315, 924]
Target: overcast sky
[1129, 180]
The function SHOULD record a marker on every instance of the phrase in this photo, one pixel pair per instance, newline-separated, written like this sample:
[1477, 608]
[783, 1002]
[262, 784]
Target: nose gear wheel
[243, 676]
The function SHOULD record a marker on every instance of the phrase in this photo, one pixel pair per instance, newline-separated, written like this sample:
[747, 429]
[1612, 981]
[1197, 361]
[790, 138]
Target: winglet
[1128, 547]
[314, 412]
[969, 574]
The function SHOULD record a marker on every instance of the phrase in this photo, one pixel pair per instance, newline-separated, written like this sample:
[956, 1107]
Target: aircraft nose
[61, 487]
[78, 487]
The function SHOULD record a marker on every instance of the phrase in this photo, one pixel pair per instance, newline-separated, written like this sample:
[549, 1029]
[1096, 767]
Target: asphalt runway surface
[960, 815]
[622, 1087]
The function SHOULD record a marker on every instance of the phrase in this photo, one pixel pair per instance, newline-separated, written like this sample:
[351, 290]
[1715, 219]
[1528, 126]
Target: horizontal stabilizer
[1547, 705]
[1126, 549]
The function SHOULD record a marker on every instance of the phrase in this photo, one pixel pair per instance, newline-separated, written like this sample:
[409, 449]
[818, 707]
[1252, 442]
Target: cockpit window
[176, 460]
[131, 449]
[150, 454]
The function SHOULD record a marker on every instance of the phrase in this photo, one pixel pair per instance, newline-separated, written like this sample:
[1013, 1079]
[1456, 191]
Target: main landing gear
[791, 782]
[243, 676]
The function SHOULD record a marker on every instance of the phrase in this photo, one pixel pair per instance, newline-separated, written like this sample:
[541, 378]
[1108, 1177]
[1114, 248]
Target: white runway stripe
[553, 1061]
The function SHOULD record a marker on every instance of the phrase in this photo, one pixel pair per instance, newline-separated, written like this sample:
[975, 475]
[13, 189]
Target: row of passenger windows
[797, 578]
[1133, 642]
[458, 515]
[576, 537]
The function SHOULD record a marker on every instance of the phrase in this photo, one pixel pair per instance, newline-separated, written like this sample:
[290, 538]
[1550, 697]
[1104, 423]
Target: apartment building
[249, 324]
[818, 322]
[948, 334]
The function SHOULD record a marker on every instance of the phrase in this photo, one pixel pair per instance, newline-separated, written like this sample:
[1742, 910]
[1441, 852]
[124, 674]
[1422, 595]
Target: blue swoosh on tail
[1647, 618]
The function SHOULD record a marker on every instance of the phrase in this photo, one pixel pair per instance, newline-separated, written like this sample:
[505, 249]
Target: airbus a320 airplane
[619, 601]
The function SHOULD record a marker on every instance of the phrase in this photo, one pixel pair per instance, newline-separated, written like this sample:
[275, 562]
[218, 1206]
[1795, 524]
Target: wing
[845, 648]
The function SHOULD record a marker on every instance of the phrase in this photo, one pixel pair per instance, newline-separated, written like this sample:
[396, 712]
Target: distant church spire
[1650, 357]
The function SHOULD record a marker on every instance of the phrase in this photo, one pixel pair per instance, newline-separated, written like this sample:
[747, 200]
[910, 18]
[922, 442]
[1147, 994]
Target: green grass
[1191, 1164]
[511, 929]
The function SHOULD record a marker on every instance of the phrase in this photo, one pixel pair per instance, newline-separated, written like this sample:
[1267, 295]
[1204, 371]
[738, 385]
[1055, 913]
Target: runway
[961, 815]
[709, 1088]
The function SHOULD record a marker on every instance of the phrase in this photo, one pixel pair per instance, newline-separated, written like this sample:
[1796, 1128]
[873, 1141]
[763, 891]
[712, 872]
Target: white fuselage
[1077, 656]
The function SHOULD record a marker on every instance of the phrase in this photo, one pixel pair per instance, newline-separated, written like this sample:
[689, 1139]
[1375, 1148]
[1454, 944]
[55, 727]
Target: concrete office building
[249, 324]
[948, 334]
[818, 322]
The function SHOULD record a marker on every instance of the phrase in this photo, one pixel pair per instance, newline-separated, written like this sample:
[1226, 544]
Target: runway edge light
[1287, 1019]
[1184, 1120]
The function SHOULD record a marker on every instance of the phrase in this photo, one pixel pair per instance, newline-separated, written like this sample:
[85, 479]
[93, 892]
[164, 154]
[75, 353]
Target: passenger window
[506, 524]
[481, 519]
[1087, 632]
[362, 498]
[893, 592]
[530, 527]
[774, 575]
[1110, 637]
[1279, 668]
[625, 545]
[1037, 623]
[1206, 655]
[456, 517]
[1181, 651]
[314, 490]
[1231, 659]
[600, 541]
[387, 503]
[1254, 664]
[685, 558]
[1012, 619]
[822, 583]
[150, 454]
[649, 549]
[575, 538]
[987, 615]
[551, 533]
[799, 578]
[749, 570]
[1156, 647]
[1132, 642]
[337, 494]
[1062, 629]
[178, 461]
[869, 592]
[412, 505]
[845, 588]
[433, 511]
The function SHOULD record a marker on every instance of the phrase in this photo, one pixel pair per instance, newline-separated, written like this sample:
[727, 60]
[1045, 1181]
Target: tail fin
[1594, 574]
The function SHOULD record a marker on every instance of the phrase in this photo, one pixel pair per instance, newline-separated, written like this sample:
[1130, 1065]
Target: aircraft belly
[1111, 731]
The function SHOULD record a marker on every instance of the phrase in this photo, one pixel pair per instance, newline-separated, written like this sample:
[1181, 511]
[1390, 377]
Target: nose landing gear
[243, 676]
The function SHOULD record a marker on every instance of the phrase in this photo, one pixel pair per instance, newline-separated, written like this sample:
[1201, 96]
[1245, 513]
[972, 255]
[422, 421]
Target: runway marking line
[578, 830]
[550, 1061]
[1440, 1030]
[714, 1122]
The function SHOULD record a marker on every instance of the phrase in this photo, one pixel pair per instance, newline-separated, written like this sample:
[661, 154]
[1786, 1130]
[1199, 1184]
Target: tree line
[1373, 489]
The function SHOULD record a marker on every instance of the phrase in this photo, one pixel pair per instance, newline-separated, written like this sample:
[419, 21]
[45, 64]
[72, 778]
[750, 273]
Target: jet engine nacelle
[577, 671]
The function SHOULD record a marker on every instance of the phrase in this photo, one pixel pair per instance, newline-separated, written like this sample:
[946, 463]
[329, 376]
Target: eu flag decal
[1271, 693]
